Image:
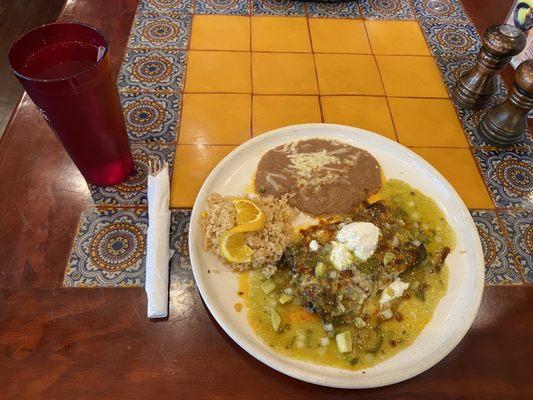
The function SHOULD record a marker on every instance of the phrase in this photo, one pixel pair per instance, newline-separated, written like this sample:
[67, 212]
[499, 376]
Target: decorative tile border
[519, 225]
[439, 9]
[109, 249]
[453, 39]
[155, 70]
[278, 7]
[151, 117]
[110, 244]
[508, 175]
[161, 31]
[132, 192]
[386, 9]
[347, 9]
[180, 264]
[471, 119]
[453, 68]
[162, 6]
[499, 261]
[224, 7]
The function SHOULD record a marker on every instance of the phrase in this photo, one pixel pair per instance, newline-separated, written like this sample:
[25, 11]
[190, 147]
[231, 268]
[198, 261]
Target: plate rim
[314, 378]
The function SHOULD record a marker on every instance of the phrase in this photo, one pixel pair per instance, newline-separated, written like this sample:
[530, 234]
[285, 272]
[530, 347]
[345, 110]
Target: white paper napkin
[157, 253]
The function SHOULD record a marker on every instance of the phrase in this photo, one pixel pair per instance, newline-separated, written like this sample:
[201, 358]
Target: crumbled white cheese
[393, 291]
[360, 237]
[387, 314]
[306, 165]
[313, 245]
[341, 257]
[288, 291]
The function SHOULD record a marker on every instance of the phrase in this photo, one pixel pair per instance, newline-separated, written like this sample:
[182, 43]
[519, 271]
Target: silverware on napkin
[158, 252]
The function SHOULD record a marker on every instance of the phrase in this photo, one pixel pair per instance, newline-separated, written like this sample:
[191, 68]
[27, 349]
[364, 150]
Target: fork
[157, 238]
[154, 166]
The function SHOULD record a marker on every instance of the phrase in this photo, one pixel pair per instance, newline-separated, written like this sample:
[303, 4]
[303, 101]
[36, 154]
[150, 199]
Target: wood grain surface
[97, 343]
[63, 343]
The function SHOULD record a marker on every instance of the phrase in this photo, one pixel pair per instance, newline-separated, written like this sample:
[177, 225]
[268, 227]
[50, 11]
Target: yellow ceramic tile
[366, 112]
[280, 34]
[459, 168]
[338, 36]
[410, 76]
[215, 119]
[283, 73]
[271, 112]
[192, 164]
[396, 37]
[220, 32]
[218, 71]
[427, 123]
[348, 74]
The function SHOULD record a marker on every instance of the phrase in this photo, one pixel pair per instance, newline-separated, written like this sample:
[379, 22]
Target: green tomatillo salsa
[343, 309]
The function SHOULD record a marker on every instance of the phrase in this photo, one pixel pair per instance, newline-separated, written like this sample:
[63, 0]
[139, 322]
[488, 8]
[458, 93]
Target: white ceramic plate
[454, 314]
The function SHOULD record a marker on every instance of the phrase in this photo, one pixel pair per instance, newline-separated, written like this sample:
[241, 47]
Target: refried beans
[323, 177]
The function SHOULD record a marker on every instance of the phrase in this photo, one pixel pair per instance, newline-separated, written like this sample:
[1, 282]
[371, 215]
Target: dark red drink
[65, 70]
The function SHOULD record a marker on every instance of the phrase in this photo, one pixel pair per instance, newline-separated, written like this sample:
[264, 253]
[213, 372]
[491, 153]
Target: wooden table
[65, 343]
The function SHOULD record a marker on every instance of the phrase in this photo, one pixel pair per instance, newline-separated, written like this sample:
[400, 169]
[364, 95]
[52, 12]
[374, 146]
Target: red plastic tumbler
[65, 69]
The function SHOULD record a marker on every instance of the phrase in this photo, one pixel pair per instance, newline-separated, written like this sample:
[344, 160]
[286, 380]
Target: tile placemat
[201, 77]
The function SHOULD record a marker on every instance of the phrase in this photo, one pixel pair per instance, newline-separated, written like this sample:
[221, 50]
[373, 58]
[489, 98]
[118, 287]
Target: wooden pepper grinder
[500, 43]
[506, 123]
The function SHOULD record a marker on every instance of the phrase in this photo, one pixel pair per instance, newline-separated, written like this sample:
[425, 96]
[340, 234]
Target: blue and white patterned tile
[499, 261]
[470, 121]
[344, 9]
[223, 7]
[451, 39]
[508, 175]
[152, 70]
[151, 117]
[439, 9]
[278, 7]
[180, 264]
[453, 68]
[161, 31]
[386, 9]
[109, 249]
[519, 225]
[171, 6]
[132, 192]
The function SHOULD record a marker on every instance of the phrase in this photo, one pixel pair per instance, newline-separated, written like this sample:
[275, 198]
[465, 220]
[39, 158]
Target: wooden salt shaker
[500, 43]
[506, 123]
